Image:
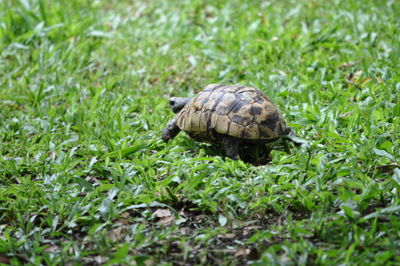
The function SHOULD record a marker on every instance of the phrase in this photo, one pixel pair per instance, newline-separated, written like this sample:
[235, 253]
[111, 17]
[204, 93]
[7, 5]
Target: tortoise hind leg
[231, 146]
[170, 131]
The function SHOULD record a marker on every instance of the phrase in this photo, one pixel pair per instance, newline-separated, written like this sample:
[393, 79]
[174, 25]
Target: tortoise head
[177, 103]
[290, 135]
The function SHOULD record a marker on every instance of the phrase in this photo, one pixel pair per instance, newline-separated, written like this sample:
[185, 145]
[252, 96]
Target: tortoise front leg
[231, 146]
[170, 131]
[285, 145]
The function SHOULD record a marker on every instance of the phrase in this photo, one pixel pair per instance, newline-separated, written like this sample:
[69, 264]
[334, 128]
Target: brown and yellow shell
[237, 111]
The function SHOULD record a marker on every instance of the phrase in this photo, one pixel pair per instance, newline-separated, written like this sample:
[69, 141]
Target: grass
[86, 179]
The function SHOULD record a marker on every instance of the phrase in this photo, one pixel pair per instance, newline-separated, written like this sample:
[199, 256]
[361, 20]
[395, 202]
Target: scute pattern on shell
[238, 111]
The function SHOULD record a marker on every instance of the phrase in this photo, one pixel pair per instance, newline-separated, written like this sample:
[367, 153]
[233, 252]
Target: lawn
[86, 179]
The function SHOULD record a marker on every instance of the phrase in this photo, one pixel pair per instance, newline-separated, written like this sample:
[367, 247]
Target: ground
[86, 179]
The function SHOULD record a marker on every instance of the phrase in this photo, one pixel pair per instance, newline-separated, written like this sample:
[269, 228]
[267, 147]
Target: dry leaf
[125, 215]
[52, 249]
[165, 215]
[385, 169]
[93, 180]
[185, 230]
[160, 213]
[96, 260]
[349, 64]
[345, 115]
[123, 220]
[353, 77]
[167, 220]
[364, 81]
[117, 234]
[52, 155]
[284, 258]
[200, 217]
[228, 236]
[182, 213]
[242, 252]
[149, 262]
[100, 259]
[263, 19]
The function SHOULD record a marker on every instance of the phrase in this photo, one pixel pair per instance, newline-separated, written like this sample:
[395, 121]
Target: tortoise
[228, 114]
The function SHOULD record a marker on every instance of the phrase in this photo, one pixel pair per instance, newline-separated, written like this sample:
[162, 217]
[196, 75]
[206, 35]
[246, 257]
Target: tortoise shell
[238, 111]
